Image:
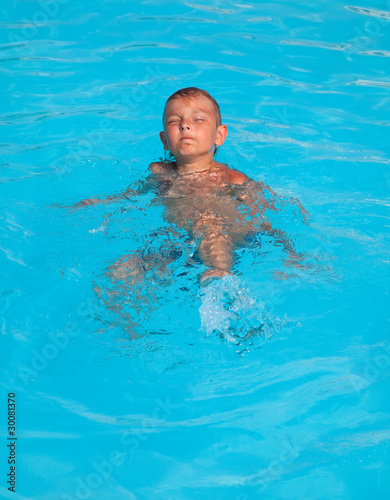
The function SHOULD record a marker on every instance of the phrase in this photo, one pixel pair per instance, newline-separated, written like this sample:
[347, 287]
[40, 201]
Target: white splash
[228, 308]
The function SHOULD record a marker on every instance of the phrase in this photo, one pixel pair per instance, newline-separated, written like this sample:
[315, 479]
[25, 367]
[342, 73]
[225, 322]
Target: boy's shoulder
[161, 167]
[235, 176]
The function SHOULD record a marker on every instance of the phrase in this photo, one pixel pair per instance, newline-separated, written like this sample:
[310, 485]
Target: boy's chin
[184, 156]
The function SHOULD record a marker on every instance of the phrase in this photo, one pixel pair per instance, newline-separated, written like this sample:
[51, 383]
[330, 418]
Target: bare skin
[194, 188]
[201, 202]
[217, 206]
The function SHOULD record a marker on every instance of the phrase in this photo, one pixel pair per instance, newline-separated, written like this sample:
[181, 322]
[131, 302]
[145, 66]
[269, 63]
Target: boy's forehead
[195, 103]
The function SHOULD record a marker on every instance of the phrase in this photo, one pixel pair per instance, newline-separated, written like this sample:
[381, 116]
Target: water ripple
[130, 18]
[313, 43]
[380, 53]
[369, 83]
[133, 46]
[23, 24]
[15, 118]
[10, 254]
[202, 64]
[382, 14]
[244, 384]
[209, 8]
[358, 440]
[47, 44]
[259, 19]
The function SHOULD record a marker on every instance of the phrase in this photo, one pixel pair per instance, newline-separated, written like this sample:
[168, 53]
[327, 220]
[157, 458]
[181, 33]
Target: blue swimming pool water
[271, 384]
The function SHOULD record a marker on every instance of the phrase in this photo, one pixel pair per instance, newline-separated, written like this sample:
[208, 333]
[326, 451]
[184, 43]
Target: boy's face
[190, 129]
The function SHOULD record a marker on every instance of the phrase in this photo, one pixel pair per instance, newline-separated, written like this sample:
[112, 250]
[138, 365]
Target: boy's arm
[102, 200]
[259, 196]
[256, 195]
[260, 199]
[145, 186]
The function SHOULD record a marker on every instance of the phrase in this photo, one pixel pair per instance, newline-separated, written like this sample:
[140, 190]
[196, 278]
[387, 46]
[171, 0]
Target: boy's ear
[164, 141]
[221, 135]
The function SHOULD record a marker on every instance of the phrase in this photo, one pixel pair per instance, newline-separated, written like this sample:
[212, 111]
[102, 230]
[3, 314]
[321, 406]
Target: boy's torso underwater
[204, 202]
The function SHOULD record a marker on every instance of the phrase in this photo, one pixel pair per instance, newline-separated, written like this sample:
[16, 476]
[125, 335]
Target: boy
[218, 206]
[194, 186]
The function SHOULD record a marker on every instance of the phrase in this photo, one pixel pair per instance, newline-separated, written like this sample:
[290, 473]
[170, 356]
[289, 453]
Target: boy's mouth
[186, 138]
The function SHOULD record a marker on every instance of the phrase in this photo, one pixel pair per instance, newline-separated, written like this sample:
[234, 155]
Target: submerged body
[216, 205]
[206, 204]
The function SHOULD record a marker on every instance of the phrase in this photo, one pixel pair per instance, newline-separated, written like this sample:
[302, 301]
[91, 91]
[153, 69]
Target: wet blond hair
[189, 92]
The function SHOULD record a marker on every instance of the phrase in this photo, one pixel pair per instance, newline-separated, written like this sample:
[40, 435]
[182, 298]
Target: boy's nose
[184, 126]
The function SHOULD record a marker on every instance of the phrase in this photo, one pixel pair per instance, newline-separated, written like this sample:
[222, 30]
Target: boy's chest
[194, 184]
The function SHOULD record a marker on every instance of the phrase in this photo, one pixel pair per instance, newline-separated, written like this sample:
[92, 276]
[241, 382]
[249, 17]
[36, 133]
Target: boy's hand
[87, 202]
[213, 273]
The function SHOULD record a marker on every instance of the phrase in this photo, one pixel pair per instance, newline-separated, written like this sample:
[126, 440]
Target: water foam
[228, 308]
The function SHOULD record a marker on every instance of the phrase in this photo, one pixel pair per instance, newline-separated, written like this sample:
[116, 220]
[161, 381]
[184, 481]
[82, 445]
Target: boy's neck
[186, 168]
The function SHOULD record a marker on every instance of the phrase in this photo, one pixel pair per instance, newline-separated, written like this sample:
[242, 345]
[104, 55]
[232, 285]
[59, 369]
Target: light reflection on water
[271, 383]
